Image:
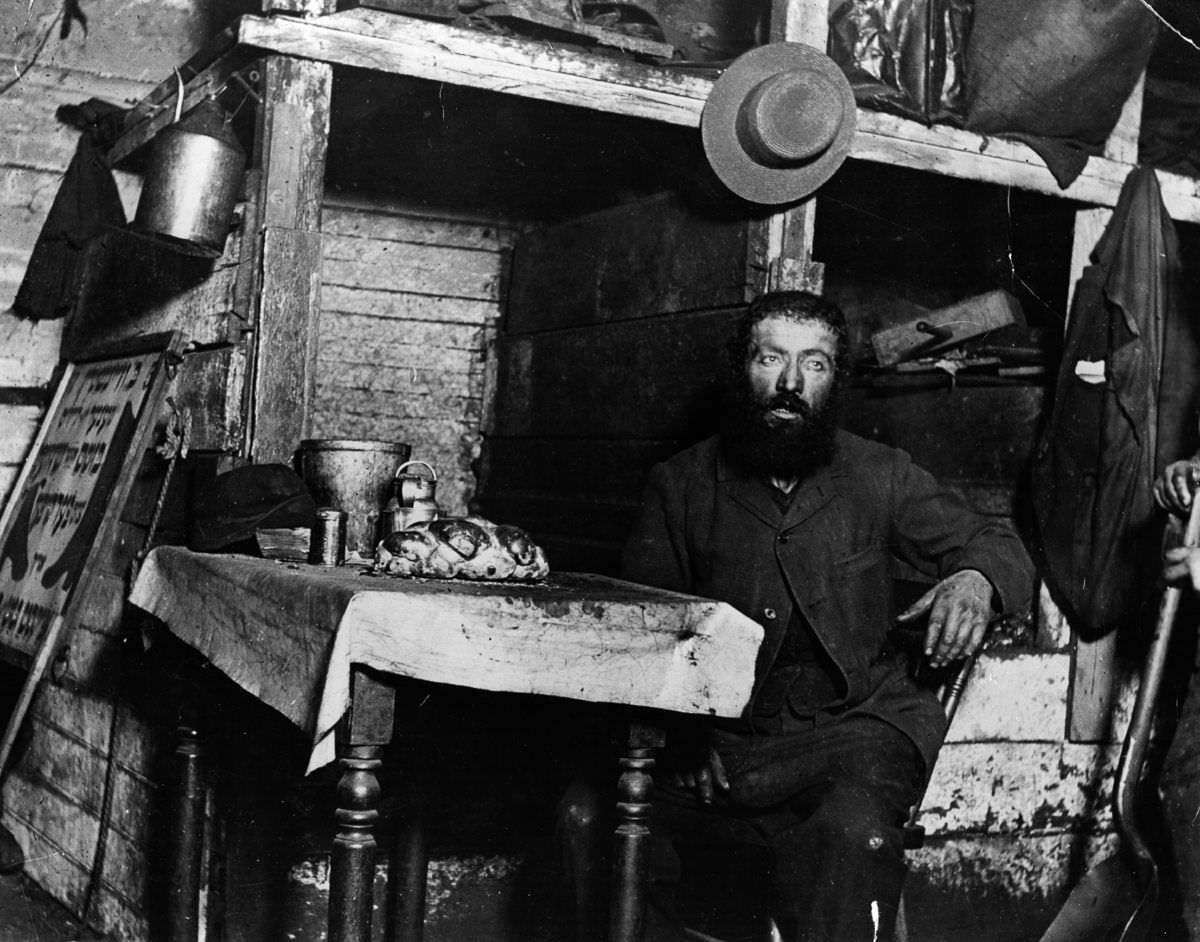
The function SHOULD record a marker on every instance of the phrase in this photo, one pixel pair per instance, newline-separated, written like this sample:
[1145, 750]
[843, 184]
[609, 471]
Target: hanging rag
[86, 204]
[1120, 413]
[1055, 75]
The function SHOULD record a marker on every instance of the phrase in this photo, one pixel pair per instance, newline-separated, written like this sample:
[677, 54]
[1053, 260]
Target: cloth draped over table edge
[682, 654]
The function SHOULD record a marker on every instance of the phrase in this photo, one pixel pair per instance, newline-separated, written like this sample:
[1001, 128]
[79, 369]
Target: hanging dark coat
[1115, 421]
[86, 204]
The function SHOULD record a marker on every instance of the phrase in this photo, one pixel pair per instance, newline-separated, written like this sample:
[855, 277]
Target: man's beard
[784, 449]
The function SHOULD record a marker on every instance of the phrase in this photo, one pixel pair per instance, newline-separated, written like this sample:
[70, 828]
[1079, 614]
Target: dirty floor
[28, 914]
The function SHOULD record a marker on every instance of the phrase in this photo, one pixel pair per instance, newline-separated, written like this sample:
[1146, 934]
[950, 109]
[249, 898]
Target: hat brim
[738, 170]
[208, 536]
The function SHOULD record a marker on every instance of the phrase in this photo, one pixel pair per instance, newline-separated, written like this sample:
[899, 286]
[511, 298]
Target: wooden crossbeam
[383, 42]
[157, 110]
[372, 39]
[883, 138]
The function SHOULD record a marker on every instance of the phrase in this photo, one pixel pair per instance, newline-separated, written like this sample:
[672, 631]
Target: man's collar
[753, 491]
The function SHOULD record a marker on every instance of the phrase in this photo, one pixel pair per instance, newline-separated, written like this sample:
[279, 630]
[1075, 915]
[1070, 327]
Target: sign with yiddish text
[53, 518]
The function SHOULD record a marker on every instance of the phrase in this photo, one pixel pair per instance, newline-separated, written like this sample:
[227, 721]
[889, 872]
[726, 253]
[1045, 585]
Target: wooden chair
[579, 814]
[950, 693]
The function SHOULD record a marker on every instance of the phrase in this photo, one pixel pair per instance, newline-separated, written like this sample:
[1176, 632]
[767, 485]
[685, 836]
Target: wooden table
[319, 645]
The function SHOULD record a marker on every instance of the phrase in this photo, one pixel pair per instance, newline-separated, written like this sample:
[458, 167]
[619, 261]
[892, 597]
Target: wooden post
[780, 251]
[1093, 662]
[290, 146]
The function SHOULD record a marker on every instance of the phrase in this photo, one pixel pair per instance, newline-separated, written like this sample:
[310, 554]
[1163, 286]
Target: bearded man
[797, 523]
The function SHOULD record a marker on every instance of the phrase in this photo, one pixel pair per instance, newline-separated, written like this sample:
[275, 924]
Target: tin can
[328, 544]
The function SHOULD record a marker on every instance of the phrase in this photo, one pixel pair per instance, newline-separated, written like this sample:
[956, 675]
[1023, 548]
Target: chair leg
[901, 933]
[585, 862]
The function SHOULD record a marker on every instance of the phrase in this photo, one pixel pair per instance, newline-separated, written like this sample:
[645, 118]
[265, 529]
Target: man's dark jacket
[713, 530]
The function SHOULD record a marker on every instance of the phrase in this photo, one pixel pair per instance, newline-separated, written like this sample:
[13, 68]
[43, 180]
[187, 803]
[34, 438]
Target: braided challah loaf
[461, 548]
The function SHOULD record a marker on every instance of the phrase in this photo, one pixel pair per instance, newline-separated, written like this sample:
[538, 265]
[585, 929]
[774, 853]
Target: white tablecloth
[288, 634]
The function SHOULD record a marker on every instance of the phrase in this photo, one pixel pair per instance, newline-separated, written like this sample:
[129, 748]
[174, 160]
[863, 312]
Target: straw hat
[778, 122]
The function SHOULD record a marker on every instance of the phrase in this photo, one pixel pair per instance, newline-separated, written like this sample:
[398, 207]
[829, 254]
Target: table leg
[410, 852]
[406, 882]
[352, 866]
[631, 846]
[364, 732]
[184, 910]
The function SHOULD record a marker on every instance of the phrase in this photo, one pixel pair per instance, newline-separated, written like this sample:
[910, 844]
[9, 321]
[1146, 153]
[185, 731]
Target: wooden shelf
[951, 152]
[389, 43]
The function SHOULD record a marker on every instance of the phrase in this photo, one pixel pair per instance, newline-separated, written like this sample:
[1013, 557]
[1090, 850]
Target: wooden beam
[1122, 143]
[383, 42]
[780, 250]
[165, 91]
[800, 21]
[1094, 661]
[291, 143]
[157, 110]
[374, 40]
[285, 344]
[952, 152]
[290, 148]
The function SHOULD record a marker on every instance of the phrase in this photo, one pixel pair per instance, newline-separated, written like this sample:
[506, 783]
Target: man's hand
[702, 780]
[1183, 564]
[959, 608]
[1174, 487]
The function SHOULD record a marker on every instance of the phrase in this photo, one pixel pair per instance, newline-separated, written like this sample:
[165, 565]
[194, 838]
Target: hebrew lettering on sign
[68, 498]
[67, 485]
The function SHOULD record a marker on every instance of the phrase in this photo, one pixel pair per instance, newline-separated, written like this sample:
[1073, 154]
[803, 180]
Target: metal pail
[354, 475]
[193, 183]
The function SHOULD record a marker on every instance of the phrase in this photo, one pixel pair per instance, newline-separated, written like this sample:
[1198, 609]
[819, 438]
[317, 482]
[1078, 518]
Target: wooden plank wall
[413, 302]
[79, 749]
[52, 800]
[410, 306]
[35, 152]
[44, 68]
[53, 804]
[615, 327]
[84, 800]
[612, 358]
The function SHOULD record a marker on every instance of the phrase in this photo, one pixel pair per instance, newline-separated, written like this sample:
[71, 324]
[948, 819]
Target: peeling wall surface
[1013, 811]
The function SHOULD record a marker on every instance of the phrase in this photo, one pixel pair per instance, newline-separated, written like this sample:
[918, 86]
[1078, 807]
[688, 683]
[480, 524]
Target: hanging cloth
[86, 204]
[1114, 422]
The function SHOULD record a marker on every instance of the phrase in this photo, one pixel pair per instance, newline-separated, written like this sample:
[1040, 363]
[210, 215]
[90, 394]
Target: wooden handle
[1137, 738]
